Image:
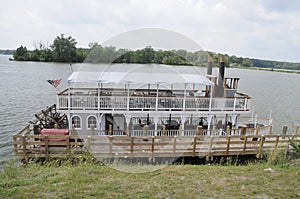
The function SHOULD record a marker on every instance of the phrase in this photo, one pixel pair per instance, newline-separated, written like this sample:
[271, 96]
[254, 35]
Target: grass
[90, 180]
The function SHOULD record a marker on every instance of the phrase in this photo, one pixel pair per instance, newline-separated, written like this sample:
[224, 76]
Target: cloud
[262, 29]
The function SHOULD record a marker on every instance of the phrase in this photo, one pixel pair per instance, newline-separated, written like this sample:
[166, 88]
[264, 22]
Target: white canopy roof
[138, 78]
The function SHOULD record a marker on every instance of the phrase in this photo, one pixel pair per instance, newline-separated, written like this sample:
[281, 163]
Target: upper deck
[107, 100]
[158, 88]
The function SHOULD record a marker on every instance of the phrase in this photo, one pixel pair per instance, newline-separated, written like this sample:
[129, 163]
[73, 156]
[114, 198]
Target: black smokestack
[220, 87]
[209, 66]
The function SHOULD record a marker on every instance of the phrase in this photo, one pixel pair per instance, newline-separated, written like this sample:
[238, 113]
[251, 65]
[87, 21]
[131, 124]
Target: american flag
[54, 82]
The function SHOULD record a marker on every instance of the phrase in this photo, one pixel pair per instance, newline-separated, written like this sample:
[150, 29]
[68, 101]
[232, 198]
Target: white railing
[149, 103]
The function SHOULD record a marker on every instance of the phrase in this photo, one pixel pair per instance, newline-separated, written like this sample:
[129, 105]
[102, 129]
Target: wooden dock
[30, 146]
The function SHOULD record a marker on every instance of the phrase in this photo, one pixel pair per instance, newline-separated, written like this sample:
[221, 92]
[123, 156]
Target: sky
[263, 29]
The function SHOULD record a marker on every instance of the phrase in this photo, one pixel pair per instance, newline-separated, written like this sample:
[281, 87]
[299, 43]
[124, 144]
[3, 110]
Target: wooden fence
[27, 145]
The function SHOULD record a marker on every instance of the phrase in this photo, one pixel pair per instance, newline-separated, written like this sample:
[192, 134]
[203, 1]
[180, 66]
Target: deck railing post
[174, 146]
[110, 145]
[89, 143]
[68, 144]
[194, 146]
[24, 147]
[261, 144]
[284, 131]
[256, 130]
[214, 130]
[296, 130]
[228, 130]
[36, 131]
[270, 129]
[245, 144]
[73, 129]
[243, 130]
[145, 130]
[164, 130]
[92, 129]
[228, 145]
[110, 130]
[131, 146]
[47, 146]
[199, 130]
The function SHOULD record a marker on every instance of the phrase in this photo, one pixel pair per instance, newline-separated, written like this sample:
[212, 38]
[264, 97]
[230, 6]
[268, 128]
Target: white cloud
[262, 29]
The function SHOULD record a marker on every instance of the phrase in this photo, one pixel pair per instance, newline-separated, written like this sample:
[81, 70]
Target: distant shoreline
[241, 67]
[271, 70]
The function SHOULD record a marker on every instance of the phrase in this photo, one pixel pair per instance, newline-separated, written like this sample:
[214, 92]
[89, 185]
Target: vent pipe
[209, 65]
[220, 87]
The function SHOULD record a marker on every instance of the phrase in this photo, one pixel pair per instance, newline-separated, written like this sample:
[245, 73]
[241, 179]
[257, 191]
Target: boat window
[76, 121]
[91, 121]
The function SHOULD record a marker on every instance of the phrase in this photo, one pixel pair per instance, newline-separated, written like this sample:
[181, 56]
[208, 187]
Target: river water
[25, 91]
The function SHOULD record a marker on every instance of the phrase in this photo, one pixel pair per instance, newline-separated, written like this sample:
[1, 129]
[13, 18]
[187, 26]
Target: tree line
[63, 49]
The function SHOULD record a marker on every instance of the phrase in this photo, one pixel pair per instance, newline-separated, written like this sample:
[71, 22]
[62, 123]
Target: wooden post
[261, 144]
[110, 130]
[228, 130]
[270, 130]
[164, 130]
[68, 144]
[46, 146]
[152, 147]
[180, 130]
[174, 146]
[210, 146]
[214, 130]
[199, 130]
[145, 130]
[110, 145]
[24, 147]
[243, 130]
[256, 130]
[73, 129]
[296, 130]
[245, 144]
[228, 145]
[194, 146]
[284, 131]
[89, 143]
[131, 146]
[127, 129]
[92, 129]
[276, 143]
[36, 131]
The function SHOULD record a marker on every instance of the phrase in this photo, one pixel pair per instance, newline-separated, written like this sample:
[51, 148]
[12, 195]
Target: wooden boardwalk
[28, 146]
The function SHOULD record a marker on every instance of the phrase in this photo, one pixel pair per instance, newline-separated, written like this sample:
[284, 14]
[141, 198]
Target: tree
[247, 62]
[64, 49]
[22, 54]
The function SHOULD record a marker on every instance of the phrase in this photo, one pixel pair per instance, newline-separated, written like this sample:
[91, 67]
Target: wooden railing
[27, 146]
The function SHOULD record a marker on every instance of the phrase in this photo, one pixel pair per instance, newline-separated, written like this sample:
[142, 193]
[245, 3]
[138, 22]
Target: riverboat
[149, 111]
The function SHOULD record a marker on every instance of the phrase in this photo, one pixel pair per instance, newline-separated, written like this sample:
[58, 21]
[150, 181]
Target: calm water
[24, 91]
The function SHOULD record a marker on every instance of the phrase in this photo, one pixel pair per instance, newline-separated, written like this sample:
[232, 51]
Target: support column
[183, 119]
[69, 107]
[128, 98]
[184, 98]
[234, 122]
[155, 120]
[209, 120]
[156, 100]
[210, 97]
[127, 119]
